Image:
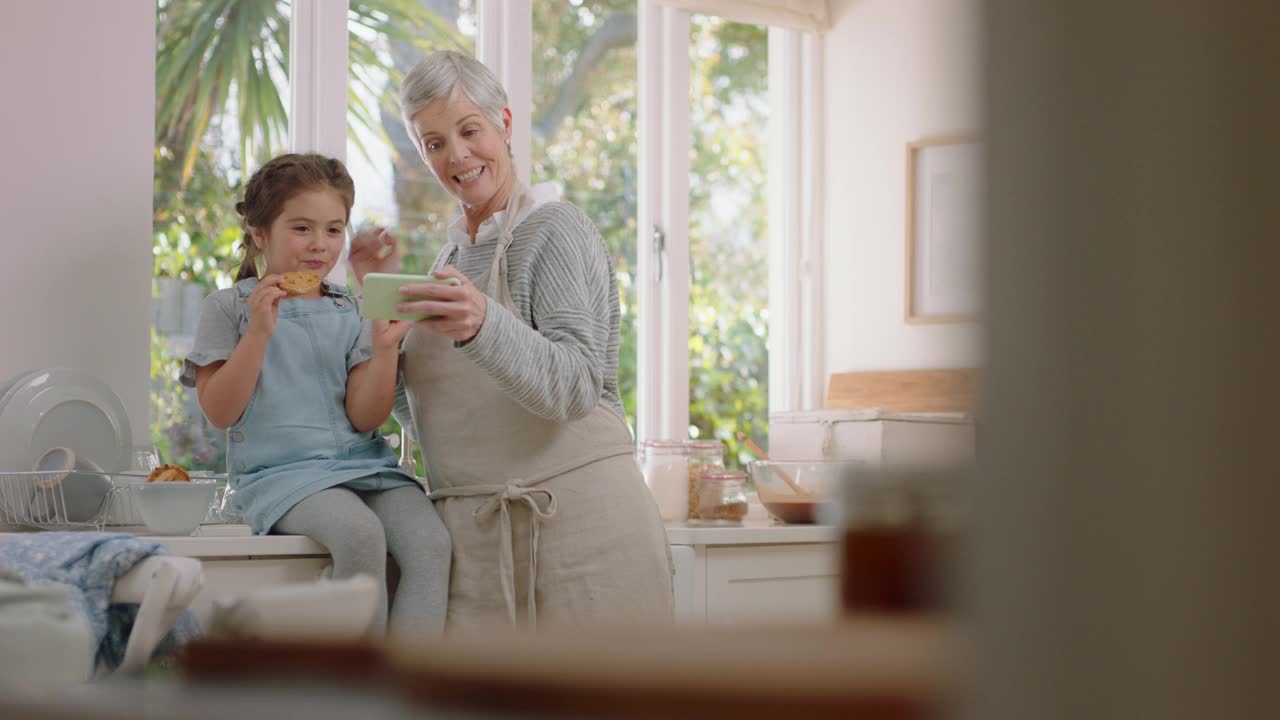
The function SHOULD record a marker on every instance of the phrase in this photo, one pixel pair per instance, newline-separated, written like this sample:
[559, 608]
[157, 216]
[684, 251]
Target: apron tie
[501, 502]
[498, 498]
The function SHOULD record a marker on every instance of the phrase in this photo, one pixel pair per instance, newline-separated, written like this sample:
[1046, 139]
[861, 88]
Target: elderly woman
[511, 388]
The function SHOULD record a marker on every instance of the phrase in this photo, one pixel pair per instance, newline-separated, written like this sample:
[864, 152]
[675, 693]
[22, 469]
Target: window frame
[318, 70]
[797, 342]
[504, 42]
[663, 262]
[318, 59]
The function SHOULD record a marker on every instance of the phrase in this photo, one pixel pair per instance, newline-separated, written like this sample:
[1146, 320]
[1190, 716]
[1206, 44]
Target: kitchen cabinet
[757, 572]
[236, 562]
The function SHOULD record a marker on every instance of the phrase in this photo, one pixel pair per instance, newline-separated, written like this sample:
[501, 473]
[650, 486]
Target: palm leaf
[210, 52]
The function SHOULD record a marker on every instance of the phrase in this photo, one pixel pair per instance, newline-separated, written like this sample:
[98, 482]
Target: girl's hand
[387, 335]
[264, 306]
[374, 250]
[460, 310]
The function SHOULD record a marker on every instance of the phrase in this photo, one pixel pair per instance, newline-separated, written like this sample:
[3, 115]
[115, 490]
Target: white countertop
[234, 541]
[751, 532]
[223, 541]
[226, 541]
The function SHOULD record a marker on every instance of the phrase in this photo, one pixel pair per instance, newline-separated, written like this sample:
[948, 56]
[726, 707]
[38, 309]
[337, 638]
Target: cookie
[169, 473]
[300, 283]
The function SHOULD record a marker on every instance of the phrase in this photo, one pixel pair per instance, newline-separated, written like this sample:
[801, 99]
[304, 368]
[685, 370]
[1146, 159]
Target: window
[656, 121]
[721, 342]
[728, 233]
[221, 93]
[584, 135]
[394, 188]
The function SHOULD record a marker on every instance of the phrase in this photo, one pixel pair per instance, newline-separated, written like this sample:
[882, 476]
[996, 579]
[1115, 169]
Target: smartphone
[382, 294]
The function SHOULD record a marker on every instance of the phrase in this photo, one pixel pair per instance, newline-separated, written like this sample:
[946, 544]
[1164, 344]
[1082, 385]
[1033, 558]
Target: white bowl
[174, 508]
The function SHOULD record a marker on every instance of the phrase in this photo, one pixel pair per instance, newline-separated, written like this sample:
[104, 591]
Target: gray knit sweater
[557, 355]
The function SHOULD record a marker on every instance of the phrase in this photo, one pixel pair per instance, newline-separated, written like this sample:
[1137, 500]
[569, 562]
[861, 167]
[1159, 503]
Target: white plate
[13, 382]
[63, 408]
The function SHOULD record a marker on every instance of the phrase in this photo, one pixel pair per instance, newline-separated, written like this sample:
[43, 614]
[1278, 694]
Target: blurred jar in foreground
[900, 528]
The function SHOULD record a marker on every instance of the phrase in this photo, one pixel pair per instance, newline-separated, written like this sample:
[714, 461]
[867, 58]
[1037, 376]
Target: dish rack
[41, 500]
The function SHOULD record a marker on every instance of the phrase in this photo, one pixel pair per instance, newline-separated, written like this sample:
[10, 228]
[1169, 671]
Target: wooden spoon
[760, 453]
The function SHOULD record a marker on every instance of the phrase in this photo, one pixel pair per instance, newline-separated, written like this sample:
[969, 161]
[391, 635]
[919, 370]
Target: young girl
[301, 384]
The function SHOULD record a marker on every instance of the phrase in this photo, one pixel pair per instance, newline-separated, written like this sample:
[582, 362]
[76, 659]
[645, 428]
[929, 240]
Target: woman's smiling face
[465, 151]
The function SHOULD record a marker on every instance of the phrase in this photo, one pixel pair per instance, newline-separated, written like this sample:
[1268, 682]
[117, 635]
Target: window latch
[659, 249]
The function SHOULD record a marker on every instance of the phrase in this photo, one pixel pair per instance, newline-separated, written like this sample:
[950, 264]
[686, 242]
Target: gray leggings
[359, 527]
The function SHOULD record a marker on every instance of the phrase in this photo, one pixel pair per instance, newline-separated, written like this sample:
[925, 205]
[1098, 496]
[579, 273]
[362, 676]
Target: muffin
[168, 473]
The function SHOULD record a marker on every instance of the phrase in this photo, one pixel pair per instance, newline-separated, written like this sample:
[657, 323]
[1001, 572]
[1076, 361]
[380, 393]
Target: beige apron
[552, 516]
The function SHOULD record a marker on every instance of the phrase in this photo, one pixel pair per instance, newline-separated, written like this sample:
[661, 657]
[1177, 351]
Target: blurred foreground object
[875, 669]
[1127, 528]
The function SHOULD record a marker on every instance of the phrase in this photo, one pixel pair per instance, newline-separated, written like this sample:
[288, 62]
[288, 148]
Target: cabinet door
[228, 578]
[777, 583]
[688, 578]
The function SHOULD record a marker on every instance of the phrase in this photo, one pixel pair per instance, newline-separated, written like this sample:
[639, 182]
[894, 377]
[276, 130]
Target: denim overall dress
[294, 438]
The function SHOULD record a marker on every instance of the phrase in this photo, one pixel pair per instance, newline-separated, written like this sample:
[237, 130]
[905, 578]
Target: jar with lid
[671, 469]
[722, 498]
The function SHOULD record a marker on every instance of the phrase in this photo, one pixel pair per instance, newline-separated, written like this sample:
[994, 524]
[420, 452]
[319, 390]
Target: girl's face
[466, 152]
[308, 234]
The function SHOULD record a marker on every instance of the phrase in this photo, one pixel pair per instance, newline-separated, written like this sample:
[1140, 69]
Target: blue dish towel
[89, 563]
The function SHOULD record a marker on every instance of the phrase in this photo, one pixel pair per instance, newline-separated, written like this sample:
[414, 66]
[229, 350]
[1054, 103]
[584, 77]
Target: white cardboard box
[874, 436]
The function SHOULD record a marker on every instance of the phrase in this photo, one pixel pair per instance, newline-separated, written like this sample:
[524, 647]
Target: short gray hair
[444, 73]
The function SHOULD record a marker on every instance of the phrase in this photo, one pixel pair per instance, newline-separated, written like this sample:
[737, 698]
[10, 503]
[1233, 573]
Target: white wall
[77, 80]
[896, 71]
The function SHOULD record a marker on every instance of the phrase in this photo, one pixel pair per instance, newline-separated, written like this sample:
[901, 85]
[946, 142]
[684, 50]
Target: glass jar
[671, 469]
[145, 458]
[722, 498]
[227, 512]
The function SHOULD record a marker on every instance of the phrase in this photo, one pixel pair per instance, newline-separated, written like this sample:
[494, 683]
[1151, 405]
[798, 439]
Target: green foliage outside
[591, 151]
[729, 294]
[220, 113]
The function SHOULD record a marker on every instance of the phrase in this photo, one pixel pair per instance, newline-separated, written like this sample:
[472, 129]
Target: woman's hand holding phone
[452, 306]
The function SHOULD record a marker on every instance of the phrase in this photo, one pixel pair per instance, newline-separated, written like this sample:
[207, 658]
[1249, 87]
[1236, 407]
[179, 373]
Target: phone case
[382, 294]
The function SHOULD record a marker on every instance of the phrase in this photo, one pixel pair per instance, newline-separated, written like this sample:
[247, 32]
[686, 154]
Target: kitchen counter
[224, 541]
[752, 532]
[759, 570]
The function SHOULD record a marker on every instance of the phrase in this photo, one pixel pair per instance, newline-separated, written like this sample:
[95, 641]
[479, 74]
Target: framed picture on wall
[944, 251]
